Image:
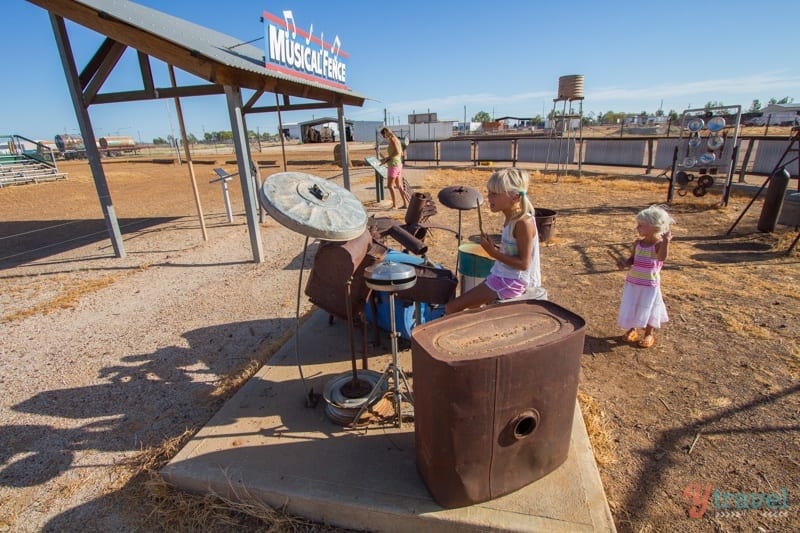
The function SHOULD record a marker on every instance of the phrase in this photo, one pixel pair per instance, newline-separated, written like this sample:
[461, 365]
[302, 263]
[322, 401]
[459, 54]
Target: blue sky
[450, 58]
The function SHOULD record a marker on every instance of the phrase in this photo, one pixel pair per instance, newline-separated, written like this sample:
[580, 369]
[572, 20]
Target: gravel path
[132, 364]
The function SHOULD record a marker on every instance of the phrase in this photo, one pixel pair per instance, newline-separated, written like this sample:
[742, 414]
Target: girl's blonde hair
[513, 180]
[656, 216]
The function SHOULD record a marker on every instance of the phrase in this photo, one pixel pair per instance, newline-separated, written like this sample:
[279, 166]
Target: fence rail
[755, 155]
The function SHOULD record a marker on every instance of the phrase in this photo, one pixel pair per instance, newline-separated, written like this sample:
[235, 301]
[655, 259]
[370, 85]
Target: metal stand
[394, 373]
[794, 146]
[223, 178]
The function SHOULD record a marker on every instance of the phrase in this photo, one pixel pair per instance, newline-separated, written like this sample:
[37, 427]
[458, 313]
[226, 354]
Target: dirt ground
[103, 359]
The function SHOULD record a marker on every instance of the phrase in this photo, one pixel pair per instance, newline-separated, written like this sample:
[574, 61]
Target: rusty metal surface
[460, 197]
[434, 285]
[495, 390]
[335, 263]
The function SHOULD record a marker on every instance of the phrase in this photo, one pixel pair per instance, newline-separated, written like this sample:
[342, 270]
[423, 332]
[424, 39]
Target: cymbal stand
[393, 375]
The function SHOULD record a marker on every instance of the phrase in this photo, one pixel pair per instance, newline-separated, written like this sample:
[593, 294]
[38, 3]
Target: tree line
[614, 117]
[215, 136]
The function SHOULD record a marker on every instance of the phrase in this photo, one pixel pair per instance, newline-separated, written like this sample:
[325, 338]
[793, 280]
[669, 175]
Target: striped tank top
[646, 266]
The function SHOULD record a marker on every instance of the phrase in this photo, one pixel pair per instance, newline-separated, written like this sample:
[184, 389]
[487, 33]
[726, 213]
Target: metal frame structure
[696, 152]
[227, 63]
[785, 160]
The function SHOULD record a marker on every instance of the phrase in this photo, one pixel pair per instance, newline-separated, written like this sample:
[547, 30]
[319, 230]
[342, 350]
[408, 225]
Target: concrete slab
[265, 444]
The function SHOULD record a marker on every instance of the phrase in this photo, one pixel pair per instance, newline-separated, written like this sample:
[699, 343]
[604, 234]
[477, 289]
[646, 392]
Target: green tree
[159, 140]
[755, 107]
[481, 116]
[191, 138]
[610, 117]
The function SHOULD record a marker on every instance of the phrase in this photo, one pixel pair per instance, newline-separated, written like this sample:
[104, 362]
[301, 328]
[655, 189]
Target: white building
[778, 115]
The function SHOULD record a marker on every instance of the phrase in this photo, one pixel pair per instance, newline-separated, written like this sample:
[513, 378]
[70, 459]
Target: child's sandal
[631, 335]
[647, 342]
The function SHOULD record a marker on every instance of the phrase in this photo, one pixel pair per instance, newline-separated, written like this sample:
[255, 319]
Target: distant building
[326, 129]
[777, 115]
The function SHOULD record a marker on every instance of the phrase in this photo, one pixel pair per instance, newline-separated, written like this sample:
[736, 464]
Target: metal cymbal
[390, 276]
[460, 197]
[313, 206]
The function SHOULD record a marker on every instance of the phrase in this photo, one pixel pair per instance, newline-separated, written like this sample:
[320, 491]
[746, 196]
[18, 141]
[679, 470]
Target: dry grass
[233, 381]
[67, 292]
[171, 509]
[602, 442]
[65, 299]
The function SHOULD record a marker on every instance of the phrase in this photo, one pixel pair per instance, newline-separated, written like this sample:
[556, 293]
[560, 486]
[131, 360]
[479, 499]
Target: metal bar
[343, 144]
[85, 125]
[280, 128]
[242, 146]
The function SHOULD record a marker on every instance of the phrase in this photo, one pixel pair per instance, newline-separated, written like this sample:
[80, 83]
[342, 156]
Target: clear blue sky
[447, 57]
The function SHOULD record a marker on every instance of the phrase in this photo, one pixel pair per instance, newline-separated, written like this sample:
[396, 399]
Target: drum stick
[480, 218]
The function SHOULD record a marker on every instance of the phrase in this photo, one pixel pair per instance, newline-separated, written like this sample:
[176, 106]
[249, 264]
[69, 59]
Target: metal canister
[495, 391]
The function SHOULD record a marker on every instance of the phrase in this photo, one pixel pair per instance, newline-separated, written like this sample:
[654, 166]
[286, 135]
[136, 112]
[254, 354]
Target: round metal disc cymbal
[313, 206]
[390, 276]
[460, 197]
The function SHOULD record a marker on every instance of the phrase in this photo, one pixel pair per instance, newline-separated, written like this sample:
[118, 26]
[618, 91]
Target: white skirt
[641, 306]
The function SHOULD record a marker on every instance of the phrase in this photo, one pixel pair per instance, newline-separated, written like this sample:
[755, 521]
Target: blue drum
[434, 287]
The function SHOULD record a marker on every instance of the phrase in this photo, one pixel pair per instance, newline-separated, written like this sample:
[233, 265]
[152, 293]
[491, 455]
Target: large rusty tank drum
[495, 392]
[66, 142]
[119, 142]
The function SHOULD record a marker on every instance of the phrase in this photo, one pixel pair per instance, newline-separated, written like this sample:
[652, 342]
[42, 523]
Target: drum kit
[320, 209]
[391, 277]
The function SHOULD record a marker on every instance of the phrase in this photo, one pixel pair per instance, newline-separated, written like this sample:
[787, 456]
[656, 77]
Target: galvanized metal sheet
[313, 206]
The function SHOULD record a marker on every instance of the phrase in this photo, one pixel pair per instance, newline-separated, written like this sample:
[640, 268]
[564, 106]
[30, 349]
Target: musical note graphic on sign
[287, 16]
[310, 33]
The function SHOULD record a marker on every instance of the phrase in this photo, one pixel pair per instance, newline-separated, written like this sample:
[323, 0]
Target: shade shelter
[224, 61]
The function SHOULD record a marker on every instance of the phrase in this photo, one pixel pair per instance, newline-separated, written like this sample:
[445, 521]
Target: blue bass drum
[435, 286]
[404, 314]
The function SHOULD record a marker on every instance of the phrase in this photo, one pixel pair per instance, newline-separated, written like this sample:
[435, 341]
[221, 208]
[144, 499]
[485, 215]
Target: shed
[779, 115]
[199, 51]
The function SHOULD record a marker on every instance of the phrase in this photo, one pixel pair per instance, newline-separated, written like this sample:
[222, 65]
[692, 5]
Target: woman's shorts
[505, 288]
[393, 172]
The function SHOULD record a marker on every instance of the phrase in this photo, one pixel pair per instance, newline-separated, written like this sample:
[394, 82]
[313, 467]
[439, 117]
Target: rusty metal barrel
[495, 391]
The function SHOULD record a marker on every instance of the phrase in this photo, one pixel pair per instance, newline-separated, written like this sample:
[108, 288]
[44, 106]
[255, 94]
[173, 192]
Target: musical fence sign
[293, 51]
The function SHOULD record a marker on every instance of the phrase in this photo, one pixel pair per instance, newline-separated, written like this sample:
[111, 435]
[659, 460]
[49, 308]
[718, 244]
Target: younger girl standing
[516, 266]
[642, 304]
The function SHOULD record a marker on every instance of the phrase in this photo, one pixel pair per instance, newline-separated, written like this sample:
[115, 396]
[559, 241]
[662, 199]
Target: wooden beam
[165, 92]
[106, 66]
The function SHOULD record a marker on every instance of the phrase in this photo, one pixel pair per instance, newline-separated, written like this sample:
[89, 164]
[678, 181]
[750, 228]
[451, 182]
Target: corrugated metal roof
[206, 53]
